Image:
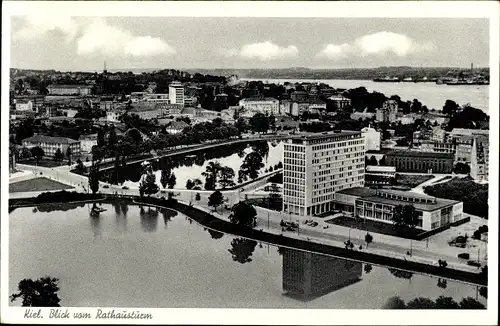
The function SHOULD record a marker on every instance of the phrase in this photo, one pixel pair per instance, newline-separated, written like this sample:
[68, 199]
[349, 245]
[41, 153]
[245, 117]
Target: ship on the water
[387, 79]
[468, 81]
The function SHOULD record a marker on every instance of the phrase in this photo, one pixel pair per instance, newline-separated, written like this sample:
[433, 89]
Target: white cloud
[379, 44]
[101, 38]
[264, 51]
[39, 25]
[95, 36]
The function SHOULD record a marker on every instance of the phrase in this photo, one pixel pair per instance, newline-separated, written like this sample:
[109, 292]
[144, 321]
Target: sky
[83, 43]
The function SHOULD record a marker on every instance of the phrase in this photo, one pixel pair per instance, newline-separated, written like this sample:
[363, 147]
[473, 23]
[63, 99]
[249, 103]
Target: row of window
[294, 148]
[294, 155]
[338, 144]
[292, 186]
[295, 162]
[295, 181]
[322, 199]
[293, 200]
[292, 174]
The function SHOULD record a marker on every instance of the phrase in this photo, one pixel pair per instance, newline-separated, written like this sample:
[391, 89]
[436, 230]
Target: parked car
[105, 186]
[125, 188]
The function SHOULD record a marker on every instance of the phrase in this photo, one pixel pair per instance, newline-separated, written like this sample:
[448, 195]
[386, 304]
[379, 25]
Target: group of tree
[405, 216]
[194, 184]
[461, 168]
[473, 195]
[250, 167]
[38, 293]
[147, 185]
[242, 249]
[441, 302]
[167, 177]
[262, 123]
[215, 174]
[467, 117]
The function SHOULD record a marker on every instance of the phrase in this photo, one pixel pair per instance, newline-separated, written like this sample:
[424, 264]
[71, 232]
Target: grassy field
[43, 162]
[37, 184]
[411, 180]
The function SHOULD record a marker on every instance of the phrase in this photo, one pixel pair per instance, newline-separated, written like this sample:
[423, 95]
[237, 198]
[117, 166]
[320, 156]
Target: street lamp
[349, 234]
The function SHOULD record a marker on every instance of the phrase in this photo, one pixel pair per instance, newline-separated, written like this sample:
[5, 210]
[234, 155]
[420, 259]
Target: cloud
[94, 36]
[263, 51]
[102, 38]
[377, 44]
[39, 25]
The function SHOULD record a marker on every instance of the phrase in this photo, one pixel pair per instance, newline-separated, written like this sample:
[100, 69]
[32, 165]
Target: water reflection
[149, 218]
[242, 249]
[307, 276]
[167, 215]
[215, 234]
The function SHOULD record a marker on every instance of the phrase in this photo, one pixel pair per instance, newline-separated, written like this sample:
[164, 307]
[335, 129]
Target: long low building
[423, 162]
[378, 205]
[51, 144]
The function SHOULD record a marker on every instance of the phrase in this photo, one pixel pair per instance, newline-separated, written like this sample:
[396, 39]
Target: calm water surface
[430, 94]
[142, 257]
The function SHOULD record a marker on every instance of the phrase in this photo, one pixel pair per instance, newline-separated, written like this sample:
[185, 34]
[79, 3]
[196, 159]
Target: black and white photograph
[288, 162]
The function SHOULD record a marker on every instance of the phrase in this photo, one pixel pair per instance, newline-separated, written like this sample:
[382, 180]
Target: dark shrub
[464, 255]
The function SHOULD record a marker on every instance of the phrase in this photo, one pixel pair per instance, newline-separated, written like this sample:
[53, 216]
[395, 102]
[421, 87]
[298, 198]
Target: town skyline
[245, 43]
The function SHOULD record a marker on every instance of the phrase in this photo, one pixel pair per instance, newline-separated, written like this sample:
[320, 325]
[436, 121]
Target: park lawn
[43, 162]
[37, 184]
[375, 227]
[411, 180]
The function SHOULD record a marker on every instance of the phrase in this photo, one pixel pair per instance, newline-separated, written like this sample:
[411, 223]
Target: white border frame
[470, 9]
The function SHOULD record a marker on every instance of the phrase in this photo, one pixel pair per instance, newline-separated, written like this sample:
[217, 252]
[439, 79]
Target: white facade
[372, 138]
[479, 160]
[317, 166]
[114, 115]
[24, 106]
[176, 93]
[69, 89]
[87, 142]
[269, 106]
[388, 111]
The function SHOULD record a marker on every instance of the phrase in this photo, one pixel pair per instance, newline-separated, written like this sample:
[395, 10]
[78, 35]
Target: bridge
[194, 148]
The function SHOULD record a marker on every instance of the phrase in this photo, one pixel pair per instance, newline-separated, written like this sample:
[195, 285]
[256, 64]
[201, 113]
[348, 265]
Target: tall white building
[176, 93]
[266, 105]
[372, 138]
[316, 166]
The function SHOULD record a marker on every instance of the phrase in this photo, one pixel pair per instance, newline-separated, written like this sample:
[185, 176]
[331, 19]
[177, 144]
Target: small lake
[134, 256]
[192, 166]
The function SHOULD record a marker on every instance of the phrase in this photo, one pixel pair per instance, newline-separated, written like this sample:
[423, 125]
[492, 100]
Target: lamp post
[349, 234]
[411, 247]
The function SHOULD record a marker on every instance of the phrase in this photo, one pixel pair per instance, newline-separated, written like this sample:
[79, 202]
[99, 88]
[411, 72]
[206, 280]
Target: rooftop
[409, 153]
[49, 139]
[324, 135]
[469, 132]
[377, 168]
[68, 86]
[257, 99]
[358, 191]
[420, 202]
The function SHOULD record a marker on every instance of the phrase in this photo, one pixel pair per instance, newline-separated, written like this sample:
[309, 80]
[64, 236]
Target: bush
[473, 263]
[464, 255]
[64, 197]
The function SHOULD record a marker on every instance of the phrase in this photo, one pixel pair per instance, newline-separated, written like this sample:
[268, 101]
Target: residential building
[190, 101]
[69, 90]
[438, 134]
[157, 98]
[362, 115]
[372, 138]
[266, 105]
[316, 166]
[169, 109]
[317, 104]
[285, 107]
[388, 111]
[422, 162]
[379, 204]
[438, 147]
[298, 108]
[479, 159]
[24, 106]
[469, 132]
[379, 175]
[51, 144]
[176, 93]
[307, 276]
[87, 142]
[299, 96]
[114, 115]
[340, 101]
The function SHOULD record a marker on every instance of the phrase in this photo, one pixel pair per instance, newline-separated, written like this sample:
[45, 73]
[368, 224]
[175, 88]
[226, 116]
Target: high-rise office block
[176, 93]
[316, 166]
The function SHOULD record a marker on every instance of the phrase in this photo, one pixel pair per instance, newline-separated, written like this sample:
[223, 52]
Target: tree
[58, 155]
[39, 293]
[215, 199]
[80, 167]
[368, 239]
[259, 123]
[274, 194]
[243, 214]
[416, 106]
[197, 197]
[148, 184]
[368, 268]
[382, 162]
[461, 168]
[215, 234]
[405, 216]
[421, 303]
[251, 165]
[470, 303]
[242, 249]
[372, 160]
[241, 125]
[211, 172]
[450, 107]
[100, 138]
[165, 176]
[94, 179]
[37, 152]
[226, 177]
[394, 303]
[189, 184]
[443, 302]
[196, 184]
[68, 154]
[172, 181]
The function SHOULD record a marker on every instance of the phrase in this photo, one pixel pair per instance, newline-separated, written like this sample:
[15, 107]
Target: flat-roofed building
[379, 204]
[422, 162]
[176, 93]
[51, 144]
[315, 166]
[372, 138]
[69, 89]
[87, 142]
[388, 111]
[265, 105]
[340, 101]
